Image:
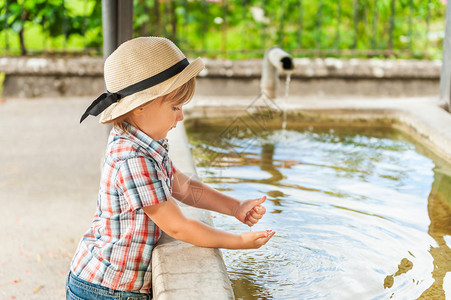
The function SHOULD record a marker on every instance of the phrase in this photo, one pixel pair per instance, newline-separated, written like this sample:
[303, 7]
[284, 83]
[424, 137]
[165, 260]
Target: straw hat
[138, 71]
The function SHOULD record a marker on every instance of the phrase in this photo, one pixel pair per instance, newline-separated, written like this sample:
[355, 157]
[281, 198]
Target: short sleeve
[140, 183]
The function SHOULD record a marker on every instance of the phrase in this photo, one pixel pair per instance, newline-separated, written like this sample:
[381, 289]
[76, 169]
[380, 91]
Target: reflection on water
[359, 214]
[439, 209]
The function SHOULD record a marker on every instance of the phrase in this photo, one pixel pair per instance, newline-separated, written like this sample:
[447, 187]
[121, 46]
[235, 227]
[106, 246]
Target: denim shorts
[78, 289]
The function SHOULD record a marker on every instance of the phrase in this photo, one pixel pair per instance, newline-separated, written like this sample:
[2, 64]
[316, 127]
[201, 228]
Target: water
[287, 93]
[359, 214]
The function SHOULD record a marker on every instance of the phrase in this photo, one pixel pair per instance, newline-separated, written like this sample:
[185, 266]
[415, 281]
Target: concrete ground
[48, 189]
[50, 172]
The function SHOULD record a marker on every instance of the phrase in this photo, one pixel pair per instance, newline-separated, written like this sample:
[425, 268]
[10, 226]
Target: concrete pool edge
[424, 119]
[180, 270]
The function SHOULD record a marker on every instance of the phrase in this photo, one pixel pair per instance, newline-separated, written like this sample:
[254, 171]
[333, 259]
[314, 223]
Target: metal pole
[125, 21]
[109, 23]
[445, 77]
[117, 21]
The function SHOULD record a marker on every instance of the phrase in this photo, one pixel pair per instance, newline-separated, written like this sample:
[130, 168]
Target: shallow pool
[359, 213]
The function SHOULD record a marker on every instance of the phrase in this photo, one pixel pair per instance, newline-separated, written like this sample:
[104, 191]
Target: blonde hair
[181, 95]
[184, 93]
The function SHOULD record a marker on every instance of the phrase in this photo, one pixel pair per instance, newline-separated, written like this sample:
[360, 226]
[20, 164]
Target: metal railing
[235, 28]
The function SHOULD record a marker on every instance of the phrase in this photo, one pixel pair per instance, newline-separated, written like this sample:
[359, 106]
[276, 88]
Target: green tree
[53, 16]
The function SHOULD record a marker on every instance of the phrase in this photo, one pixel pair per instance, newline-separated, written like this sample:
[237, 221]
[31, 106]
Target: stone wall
[329, 77]
[51, 77]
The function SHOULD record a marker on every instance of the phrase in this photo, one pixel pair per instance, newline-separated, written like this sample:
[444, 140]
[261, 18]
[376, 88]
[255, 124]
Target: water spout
[276, 60]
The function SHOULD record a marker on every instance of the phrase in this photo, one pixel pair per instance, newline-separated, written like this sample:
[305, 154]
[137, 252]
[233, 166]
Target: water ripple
[350, 210]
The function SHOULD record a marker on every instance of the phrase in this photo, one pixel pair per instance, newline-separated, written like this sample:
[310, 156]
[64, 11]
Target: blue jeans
[78, 289]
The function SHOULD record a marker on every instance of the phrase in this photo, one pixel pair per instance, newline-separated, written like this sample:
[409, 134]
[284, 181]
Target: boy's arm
[168, 217]
[195, 193]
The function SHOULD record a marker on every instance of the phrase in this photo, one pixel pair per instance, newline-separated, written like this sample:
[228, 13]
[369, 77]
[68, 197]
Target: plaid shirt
[116, 251]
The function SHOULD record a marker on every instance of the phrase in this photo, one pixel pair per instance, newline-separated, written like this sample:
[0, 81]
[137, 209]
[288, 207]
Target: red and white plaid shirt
[116, 251]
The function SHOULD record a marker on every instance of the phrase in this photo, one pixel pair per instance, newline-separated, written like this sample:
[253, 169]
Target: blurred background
[234, 28]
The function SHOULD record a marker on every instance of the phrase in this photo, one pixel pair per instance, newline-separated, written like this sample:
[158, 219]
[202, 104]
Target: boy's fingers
[260, 209]
[248, 214]
[262, 234]
[267, 234]
[252, 219]
[264, 240]
[255, 215]
[259, 200]
[256, 212]
[270, 235]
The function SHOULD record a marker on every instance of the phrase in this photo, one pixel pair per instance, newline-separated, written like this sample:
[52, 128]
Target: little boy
[148, 81]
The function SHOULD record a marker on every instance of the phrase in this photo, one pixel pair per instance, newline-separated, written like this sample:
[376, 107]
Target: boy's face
[158, 117]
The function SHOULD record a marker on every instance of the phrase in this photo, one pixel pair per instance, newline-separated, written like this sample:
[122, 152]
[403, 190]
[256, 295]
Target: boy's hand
[254, 240]
[250, 211]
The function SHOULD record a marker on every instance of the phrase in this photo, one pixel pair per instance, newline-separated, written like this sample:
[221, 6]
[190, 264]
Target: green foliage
[243, 28]
[53, 19]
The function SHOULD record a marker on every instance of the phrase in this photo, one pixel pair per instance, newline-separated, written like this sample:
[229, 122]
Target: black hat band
[106, 99]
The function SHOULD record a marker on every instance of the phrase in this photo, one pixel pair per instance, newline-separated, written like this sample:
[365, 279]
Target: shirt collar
[158, 149]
